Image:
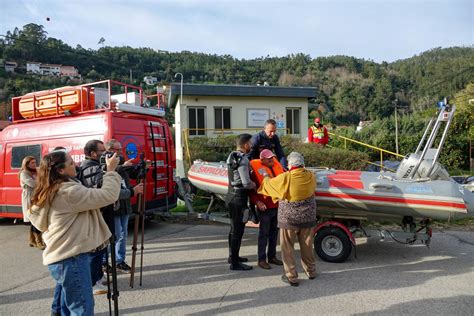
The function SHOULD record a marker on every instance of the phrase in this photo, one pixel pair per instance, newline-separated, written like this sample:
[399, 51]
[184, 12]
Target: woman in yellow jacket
[294, 191]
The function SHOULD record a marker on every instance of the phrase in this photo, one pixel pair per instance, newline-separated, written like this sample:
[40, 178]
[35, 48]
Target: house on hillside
[10, 66]
[51, 70]
[68, 71]
[212, 110]
[149, 80]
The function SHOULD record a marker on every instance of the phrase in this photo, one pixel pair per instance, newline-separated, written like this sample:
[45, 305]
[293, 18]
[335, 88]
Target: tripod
[139, 219]
[112, 294]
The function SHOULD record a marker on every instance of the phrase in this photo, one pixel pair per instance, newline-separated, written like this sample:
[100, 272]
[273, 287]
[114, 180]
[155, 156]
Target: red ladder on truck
[156, 134]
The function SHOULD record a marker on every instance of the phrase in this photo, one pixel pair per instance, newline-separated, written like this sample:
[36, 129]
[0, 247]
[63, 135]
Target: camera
[109, 154]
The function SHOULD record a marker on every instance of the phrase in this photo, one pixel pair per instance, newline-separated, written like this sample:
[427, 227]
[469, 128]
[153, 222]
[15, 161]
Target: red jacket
[318, 135]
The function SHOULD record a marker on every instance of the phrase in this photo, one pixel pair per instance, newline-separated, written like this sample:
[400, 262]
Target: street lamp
[181, 94]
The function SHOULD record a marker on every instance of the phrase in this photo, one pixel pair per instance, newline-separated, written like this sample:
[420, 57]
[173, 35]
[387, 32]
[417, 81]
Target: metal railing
[346, 140]
[375, 148]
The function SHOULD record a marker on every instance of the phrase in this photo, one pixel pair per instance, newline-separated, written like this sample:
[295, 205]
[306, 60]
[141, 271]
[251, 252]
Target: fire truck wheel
[332, 244]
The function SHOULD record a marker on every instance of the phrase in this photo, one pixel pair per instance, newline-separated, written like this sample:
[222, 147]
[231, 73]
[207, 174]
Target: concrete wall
[239, 111]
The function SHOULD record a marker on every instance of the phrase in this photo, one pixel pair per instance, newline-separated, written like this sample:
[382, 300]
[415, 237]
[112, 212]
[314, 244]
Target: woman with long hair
[68, 215]
[27, 177]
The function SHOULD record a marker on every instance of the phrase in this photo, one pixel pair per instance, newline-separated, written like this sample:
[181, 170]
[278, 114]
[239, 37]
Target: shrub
[217, 149]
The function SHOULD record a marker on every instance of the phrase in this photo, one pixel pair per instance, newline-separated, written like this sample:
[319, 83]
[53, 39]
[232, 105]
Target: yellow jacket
[295, 185]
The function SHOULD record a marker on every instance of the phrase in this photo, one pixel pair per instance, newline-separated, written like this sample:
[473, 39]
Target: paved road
[185, 274]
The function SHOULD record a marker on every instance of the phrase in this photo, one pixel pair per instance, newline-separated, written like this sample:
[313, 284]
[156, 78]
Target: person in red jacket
[267, 209]
[317, 133]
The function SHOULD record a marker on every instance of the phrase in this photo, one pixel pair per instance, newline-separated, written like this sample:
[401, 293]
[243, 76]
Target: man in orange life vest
[267, 209]
[317, 133]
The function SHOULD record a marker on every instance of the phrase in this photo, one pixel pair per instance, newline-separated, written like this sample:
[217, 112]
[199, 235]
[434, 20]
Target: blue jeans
[73, 275]
[121, 233]
[267, 234]
[97, 259]
[57, 303]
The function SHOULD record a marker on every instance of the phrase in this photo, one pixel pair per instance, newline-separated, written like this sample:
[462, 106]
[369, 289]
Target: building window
[222, 118]
[196, 121]
[20, 152]
[293, 120]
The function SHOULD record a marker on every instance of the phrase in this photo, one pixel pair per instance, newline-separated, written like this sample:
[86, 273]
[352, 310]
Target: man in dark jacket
[123, 208]
[237, 199]
[90, 175]
[267, 139]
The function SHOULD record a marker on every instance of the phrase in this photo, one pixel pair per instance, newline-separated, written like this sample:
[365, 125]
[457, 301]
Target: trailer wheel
[332, 244]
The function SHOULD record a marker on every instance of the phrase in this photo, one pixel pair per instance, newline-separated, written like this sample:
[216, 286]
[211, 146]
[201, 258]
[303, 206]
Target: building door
[196, 121]
[293, 120]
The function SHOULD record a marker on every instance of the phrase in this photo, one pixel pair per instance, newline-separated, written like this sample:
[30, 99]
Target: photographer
[91, 175]
[123, 209]
[67, 213]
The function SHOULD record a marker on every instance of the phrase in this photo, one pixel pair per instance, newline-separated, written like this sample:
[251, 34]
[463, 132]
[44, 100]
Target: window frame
[197, 132]
[291, 129]
[223, 129]
[15, 161]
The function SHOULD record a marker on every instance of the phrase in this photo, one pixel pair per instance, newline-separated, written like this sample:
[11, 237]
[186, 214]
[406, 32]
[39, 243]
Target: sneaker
[285, 279]
[103, 281]
[124, 267]
[99, 289]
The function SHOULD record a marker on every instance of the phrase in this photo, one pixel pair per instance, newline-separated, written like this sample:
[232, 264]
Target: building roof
[238, 91]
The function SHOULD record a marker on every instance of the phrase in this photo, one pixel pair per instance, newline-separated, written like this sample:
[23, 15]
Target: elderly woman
[296, 215]
[68, 215]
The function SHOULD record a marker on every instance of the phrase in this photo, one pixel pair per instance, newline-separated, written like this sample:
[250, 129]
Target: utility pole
[396, 125]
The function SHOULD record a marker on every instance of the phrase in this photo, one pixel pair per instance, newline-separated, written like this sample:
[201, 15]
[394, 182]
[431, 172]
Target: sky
[378, 30]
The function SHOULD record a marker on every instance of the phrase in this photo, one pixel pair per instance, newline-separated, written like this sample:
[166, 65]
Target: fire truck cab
[71, 116]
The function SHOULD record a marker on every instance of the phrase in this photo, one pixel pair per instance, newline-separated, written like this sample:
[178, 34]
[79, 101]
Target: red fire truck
[71, 116]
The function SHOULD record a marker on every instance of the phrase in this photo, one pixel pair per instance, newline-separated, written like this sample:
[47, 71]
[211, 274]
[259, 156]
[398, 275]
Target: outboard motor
[406, 170]
[424, 162]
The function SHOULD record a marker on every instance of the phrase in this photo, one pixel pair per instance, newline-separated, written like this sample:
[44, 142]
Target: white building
[51, 69]
[149, 80]
[10, 66]
[33, 68]
[211, 110]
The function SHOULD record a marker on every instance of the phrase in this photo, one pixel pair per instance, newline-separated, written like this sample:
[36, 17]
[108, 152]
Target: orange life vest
[256, 164]
[277, 169]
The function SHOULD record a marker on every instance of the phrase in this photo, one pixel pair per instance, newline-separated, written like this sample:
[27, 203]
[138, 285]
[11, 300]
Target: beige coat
[27, 183]
[73, 224]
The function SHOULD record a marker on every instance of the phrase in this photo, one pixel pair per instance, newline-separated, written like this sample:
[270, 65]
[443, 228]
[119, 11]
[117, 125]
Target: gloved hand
[263, 172]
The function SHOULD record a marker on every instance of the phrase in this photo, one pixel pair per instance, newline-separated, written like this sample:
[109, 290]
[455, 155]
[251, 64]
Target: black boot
[240, 267]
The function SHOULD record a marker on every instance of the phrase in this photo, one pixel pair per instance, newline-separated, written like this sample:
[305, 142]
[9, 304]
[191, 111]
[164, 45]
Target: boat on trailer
[419, 191]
